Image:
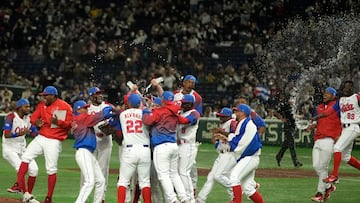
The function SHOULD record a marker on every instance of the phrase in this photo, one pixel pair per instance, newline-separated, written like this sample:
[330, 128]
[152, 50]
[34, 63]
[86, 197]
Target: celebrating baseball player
[246, 145]
[104, 141]
[136, 154]
[186, 138]
[225, 161]
[349, 106]
[16, 126]
[163, 137]
[85, 145]
[328, 129]
[53, 116]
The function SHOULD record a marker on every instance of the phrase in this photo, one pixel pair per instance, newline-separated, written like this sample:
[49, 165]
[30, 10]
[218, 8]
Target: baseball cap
[157, 101]
[80, 104]
[134, 100]
[49, 90]
[331, 90]
[167, 96]
[190, 77]
[94, 90]
[243, 108]
[22, 102]
[188, 98]
[225, 112]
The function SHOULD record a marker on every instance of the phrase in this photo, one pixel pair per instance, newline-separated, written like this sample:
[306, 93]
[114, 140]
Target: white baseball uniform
[103, 144]
[178, 95]
[186, 138]
[246, 144]
[14, 147]
[221, 168]
[350, 119]
[136, 153]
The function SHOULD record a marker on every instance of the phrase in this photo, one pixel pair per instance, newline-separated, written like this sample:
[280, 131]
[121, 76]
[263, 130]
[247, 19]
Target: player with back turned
[53, 116]
[16, 126]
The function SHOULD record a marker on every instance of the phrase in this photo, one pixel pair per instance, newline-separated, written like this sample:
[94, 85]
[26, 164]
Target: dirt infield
[261, 173]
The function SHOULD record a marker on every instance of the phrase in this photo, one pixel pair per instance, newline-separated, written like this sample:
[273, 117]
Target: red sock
[354, 163]
[237, 193]
[121, 194]
[51, 184]
[31, 183]
[136, 193]
[21, 176]
[146, 194]
[337, 161]
[194, 193]
[257, 198]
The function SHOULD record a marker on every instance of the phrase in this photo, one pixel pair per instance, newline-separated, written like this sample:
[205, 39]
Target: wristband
[14, 135]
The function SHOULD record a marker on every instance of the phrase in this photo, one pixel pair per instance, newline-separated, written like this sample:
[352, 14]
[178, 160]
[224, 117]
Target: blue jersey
[83, 130]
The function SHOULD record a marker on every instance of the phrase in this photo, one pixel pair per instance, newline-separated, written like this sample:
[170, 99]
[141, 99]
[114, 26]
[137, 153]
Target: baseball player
[328, 129]
[16, 126]
[53, 116]
[224, 162]
[163, 137]
[186, 138]
[246, 145]
[349, 105]
[104, 142]
[85, 145]
[136, 154]
[188, 85]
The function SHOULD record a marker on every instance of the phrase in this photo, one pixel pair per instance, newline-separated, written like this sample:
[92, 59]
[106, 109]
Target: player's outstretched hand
[108, 112]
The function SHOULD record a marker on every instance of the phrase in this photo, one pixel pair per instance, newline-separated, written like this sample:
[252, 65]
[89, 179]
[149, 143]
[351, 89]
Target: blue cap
[168, 96]
[94, 90]
[134, 100]
[157, 101]
[243, 108]
[49, 90]
[22, 102]
[190, 77]
[331, 90]
[188, 98]
[80, 104]
[225, 112]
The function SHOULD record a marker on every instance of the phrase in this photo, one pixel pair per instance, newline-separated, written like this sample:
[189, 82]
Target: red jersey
[64, 113]
[329, 126]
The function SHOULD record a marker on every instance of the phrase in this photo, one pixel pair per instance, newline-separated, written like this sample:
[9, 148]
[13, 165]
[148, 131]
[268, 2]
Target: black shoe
[278, 160]
[298, 165]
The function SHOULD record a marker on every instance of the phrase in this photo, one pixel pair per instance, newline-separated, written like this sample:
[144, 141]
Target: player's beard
[98, 99]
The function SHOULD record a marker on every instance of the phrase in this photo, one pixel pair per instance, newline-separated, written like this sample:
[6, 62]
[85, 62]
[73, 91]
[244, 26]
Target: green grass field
[274, 190]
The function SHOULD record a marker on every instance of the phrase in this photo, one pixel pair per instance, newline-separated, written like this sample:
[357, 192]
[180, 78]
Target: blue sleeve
[217, 144]
[259, 122]
[34, 131]
[192, 119]
[199, 109]
[337, 107]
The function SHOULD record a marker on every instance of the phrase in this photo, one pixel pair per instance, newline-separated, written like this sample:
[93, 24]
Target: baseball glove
[107, 129]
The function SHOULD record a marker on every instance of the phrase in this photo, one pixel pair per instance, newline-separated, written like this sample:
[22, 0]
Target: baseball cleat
[47, 200]
[29, 198]
[14, 189]
[319, 197]
[278, 160]
[328, 191]
[331, 179]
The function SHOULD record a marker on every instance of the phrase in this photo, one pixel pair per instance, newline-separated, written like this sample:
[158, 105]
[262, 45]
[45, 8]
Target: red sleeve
[37, 113]
[183, 120]
[151, 118]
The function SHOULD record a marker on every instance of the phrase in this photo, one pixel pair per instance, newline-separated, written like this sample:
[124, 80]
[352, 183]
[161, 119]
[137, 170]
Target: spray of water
[312, 50]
